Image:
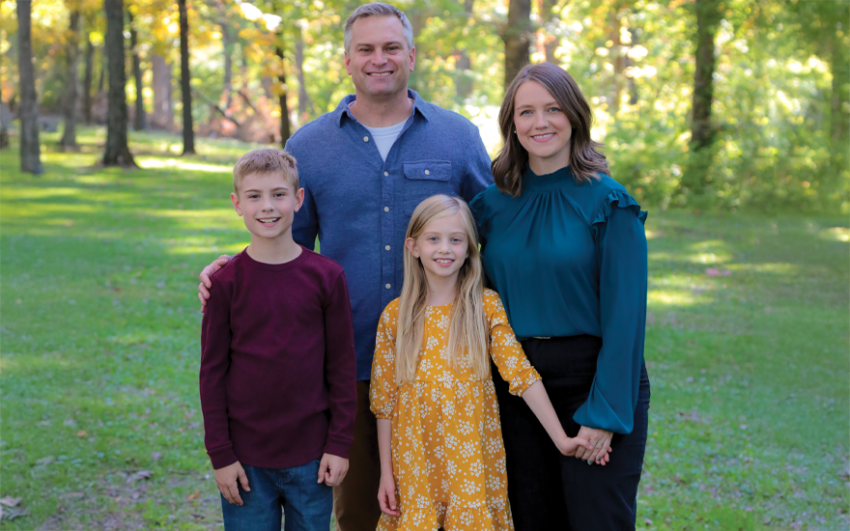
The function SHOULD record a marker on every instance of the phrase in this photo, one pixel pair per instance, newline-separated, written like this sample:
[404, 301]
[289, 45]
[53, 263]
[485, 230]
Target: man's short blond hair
[265, 161]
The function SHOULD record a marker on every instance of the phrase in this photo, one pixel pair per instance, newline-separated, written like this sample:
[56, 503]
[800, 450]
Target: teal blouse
[570, 259]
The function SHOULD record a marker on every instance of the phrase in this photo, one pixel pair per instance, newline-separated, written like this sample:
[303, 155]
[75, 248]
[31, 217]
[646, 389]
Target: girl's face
[442, 247]
[541, 127]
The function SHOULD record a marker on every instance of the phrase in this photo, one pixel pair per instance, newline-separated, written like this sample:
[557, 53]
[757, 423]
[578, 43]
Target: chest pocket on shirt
[424, 179]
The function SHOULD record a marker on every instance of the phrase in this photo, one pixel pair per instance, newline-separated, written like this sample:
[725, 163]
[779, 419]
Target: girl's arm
[538, 401]
[386, 492]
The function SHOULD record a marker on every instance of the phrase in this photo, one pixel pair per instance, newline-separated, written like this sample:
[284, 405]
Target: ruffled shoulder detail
[618, 198]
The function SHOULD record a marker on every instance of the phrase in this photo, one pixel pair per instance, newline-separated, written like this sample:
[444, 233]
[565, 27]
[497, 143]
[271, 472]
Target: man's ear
[299, 199]
[234, 198]
[412, 58]
[348, 63]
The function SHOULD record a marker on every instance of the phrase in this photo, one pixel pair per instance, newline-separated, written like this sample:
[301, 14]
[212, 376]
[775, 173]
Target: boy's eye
[253, 196]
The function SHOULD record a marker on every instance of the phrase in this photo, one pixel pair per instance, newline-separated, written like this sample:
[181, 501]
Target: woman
[564, 245]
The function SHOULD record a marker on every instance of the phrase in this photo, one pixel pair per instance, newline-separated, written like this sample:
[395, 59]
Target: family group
[467, 351]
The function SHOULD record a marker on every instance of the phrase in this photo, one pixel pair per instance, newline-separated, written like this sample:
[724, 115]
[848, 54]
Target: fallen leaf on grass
[141, 474]
[15, 513]
[156, 456]
[44, 461]
[714, 272]
[72, 495]
[69, 223]
[81, 433]
[194, 496]
[9, 501]
[647, 521]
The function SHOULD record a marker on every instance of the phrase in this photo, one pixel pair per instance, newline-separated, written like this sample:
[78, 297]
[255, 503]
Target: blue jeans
[306, 504]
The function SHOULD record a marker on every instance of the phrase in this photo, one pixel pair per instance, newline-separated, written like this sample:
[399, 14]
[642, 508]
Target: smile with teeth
[542, 138]
[380, 74]
[268, 221]
[444, 261]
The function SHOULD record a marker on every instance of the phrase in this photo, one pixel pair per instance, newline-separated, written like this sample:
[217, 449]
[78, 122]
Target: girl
[439, 435]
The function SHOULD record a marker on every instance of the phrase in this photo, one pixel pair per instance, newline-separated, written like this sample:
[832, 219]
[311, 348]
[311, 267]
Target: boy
[277, 375]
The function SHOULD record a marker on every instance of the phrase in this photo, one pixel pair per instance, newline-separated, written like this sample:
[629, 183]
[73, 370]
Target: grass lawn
[746, 347]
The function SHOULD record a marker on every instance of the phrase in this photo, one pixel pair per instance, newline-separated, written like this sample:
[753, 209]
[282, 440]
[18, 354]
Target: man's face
[379, 60]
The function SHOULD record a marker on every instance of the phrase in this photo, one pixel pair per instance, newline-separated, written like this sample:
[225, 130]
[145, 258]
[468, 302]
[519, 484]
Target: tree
[30, 148]
[87, 78]
[163, 107]
[185, 81]
[516, 37]
[69, 133]
[117, 149]
[695, 179]
[139, 119]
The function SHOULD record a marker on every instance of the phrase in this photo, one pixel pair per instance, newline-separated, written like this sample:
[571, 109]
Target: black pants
[548, 491]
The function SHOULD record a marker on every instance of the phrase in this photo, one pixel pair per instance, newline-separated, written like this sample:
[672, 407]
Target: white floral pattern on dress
[448, 455]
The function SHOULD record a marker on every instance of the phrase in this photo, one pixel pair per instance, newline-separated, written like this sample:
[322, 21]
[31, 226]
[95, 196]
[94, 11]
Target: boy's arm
[340, 369]
[215, 361]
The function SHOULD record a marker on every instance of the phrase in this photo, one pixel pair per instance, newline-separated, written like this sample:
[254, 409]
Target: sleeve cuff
[597, 413]
[338, 448]
[222, 457]
[523, 381]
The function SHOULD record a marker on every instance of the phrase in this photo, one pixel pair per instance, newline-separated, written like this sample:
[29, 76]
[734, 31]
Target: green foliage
[100, 333]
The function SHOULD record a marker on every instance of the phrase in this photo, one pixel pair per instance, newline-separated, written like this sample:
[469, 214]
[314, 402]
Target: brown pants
[356, 499]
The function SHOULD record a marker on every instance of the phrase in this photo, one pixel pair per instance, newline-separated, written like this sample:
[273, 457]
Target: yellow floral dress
[447, 451]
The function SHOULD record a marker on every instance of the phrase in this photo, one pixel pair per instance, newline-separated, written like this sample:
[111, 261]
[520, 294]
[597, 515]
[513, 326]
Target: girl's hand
[386, 495]
[569, 445]
[600, 440]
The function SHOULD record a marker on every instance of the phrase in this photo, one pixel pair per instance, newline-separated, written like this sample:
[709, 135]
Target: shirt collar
[419, 106]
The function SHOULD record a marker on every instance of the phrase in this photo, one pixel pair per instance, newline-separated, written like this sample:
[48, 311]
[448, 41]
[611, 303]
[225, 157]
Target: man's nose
[379, 57]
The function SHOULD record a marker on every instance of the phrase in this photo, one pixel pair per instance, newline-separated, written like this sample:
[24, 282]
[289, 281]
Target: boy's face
[268, 204]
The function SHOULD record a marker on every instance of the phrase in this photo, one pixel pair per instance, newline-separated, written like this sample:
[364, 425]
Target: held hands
[206, 283]
[386, 495]
[332, 470]
[600, 445]
[226, 481]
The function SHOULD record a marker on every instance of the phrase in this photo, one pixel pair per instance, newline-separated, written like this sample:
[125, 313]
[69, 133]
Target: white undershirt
[385, 137]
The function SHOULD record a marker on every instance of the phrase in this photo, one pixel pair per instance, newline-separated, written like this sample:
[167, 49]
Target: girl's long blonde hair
[468, 337]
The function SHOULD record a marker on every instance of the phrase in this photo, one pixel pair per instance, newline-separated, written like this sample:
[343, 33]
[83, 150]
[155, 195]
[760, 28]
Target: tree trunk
[617, 59]
[305, 105]
[117, 149]
[139, 119]
[516, 38]
[87, 78]
[69, 134]
[284, 108]
[227, 43]
[30, 148]
[185, 80]
[552, 20]
[4, 133]
[463, 65]
[163, 107]
[702, 133]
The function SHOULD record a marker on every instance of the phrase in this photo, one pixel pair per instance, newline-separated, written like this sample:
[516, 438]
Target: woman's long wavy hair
[585, 159]
[467, 344]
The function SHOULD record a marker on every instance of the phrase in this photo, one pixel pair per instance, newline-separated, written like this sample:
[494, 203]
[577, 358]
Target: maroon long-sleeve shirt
[278, 365]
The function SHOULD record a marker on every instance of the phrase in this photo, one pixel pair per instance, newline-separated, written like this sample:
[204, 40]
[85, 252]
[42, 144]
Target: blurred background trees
[714, 104]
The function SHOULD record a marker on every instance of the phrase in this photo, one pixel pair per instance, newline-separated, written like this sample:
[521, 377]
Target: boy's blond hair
[264, 161]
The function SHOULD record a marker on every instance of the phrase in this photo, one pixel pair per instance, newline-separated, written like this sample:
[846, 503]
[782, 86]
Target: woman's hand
[568, 445]
[600, 440]
[386, 495]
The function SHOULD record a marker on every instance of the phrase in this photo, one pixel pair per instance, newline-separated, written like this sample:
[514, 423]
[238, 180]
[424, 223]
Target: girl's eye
[554, 109]
[523, 113]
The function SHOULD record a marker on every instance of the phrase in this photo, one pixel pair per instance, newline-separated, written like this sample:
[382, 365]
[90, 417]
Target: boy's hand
[206, 283]
[332, 470]
[386, 495]
[226, 481]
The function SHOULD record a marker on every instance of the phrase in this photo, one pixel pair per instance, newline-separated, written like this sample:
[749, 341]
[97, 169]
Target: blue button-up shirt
[359, 205]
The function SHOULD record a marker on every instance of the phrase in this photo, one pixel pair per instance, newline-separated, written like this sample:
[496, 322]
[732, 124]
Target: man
[364, 168]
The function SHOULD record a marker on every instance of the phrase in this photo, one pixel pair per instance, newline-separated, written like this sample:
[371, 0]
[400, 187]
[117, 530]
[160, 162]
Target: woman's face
[542, 128]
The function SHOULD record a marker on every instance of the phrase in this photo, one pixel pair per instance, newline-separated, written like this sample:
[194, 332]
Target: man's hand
[386, 495]
[332, 470]
[226, 481]
[206, 284]
[600, 440]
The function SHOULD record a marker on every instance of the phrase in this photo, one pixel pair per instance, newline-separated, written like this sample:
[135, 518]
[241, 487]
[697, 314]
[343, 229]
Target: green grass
[100, 325]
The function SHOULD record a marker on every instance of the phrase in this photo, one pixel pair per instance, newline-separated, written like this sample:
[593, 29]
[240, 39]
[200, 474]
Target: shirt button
[387, 247]
[386, 174]
[427, 172]
[365, 138]
[388, 286]
[386, 209]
